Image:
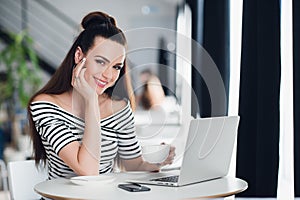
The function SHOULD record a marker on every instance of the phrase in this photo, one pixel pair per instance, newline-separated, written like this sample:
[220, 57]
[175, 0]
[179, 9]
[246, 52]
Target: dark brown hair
[94, 24]
[146, 97]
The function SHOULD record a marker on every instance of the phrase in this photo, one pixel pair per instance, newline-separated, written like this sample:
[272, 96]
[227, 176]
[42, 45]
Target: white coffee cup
[155, 153]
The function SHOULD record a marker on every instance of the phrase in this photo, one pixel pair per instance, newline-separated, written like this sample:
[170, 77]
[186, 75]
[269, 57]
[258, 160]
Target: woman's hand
[169, 160]
[79, 83]
[138, 164]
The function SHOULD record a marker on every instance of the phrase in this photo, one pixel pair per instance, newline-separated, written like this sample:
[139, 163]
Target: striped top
[58, 127]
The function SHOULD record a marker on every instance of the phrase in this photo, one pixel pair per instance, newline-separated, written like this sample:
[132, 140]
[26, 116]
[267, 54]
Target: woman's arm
[84, 158]
[62, 140]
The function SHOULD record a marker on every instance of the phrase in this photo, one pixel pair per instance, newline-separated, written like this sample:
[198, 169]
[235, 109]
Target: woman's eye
[118, 67]
[101, 62]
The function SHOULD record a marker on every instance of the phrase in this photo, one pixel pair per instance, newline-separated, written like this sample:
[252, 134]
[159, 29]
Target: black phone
[133, 187]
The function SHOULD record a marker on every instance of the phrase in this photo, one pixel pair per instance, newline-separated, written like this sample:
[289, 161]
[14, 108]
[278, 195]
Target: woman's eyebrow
[103, 58]
[121, 64]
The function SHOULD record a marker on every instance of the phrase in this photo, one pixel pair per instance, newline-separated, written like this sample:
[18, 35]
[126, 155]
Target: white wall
[53, 38]
[129, 16]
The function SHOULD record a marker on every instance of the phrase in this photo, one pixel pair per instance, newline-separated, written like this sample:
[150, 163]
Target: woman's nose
[107, 73]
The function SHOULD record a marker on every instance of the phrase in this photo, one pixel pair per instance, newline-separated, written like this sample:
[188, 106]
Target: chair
[22, 177]
[4, 193]
[3, 175]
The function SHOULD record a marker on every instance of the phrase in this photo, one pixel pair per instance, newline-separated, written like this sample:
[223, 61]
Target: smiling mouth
[100, 83]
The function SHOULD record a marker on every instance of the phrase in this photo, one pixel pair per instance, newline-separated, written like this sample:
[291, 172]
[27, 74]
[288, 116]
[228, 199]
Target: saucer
[86, 180]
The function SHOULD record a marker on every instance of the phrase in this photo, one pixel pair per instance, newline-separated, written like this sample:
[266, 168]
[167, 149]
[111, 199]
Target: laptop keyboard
[172, 179]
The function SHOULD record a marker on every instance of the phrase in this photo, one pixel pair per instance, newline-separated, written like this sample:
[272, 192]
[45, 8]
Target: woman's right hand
[79, 83]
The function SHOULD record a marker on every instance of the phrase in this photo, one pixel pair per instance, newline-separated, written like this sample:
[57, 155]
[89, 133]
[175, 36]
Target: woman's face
[104, 62]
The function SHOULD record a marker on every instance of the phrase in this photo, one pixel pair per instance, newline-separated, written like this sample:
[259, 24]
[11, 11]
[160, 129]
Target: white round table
[64, 189]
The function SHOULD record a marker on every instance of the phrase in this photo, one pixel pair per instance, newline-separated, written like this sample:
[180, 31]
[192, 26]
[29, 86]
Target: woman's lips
[101, 83]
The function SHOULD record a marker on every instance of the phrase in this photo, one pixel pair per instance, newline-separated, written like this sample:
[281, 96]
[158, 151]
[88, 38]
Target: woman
[78, 127]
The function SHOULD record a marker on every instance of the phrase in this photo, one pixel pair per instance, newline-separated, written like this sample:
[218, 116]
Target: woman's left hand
[169, 160]
[138, 164]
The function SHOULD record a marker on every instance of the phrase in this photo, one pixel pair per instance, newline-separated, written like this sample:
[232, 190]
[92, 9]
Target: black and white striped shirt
[58, 127]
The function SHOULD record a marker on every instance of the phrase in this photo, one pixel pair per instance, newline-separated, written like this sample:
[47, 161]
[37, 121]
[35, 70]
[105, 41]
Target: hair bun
[97, 18]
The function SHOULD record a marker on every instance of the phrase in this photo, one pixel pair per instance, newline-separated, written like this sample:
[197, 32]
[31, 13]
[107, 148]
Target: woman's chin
[100, 90]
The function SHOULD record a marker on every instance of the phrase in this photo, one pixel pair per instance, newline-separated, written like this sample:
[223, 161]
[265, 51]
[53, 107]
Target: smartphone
[133, 187]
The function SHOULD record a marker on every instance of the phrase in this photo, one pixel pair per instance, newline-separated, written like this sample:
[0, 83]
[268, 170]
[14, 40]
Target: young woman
[78, 125]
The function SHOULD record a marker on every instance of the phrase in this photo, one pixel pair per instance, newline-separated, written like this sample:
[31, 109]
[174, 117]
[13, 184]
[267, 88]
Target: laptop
[207, 153]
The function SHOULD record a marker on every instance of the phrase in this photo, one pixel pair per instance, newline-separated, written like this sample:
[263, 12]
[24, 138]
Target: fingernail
[83, 60]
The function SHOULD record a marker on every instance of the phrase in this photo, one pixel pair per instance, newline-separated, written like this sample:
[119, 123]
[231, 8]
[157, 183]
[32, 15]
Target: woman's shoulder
[44, 97]
[119, 105]
[51, 98]
[115, 108]
[122, 114]
[44, 102]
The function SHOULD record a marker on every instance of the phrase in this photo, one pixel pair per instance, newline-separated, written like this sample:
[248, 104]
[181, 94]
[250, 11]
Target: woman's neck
[78, 103]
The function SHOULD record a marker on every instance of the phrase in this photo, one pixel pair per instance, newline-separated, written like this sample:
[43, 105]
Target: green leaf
[21, 63]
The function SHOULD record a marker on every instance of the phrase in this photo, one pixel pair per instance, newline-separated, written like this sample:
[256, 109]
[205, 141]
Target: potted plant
[22, 78]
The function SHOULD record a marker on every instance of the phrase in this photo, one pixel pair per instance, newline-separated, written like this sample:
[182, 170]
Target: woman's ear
[78, 55]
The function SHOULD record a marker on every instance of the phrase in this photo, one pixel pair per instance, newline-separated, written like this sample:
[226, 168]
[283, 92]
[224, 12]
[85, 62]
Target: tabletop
[61, 189]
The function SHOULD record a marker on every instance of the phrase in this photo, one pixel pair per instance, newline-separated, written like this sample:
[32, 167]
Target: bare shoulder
[119, 105]
[46, 97]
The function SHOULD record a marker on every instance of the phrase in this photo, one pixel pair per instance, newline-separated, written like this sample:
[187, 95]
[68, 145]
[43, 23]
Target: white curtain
[285, 189]
[236, 16]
